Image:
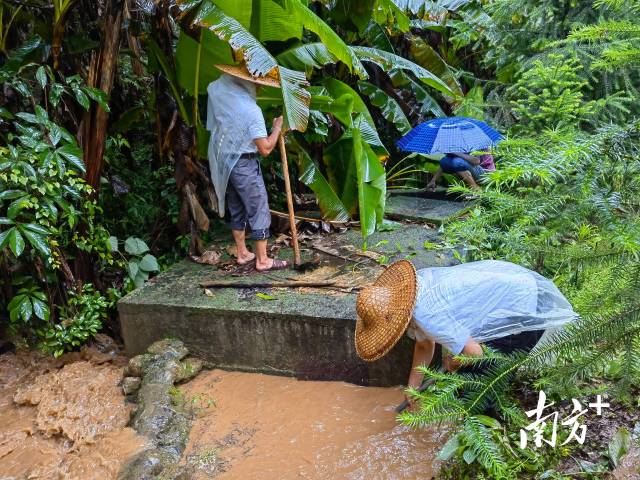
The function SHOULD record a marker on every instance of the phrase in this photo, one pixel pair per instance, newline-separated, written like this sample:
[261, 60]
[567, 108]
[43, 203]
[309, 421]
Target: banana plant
[61, 10]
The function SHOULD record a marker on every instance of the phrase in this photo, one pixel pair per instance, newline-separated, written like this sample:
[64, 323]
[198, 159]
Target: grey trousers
[247, 198]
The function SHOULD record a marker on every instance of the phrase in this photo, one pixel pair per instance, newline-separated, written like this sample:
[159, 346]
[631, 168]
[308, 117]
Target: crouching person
[495, 303]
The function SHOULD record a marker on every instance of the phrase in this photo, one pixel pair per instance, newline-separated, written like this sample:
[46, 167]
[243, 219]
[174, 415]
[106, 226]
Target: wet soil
[65, 418]
[257, 426]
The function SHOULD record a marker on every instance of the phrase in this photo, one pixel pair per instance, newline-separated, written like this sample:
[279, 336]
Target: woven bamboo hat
[241, 71]
[384, 310]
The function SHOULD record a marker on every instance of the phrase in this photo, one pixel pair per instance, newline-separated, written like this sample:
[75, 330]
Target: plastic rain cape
[485, 300]
[231, 106]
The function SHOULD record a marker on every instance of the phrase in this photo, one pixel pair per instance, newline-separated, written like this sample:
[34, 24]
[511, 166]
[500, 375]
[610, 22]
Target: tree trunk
[93, 129]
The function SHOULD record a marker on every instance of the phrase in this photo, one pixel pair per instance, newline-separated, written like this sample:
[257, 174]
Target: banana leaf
[258, 60]
[330, 204]
[358, 177]
[195, 61]
[428, 105]
[265, 19]
[390, 62]
[316, 55]
[338, 89]
[427, 57]
[372, 185]
[388, 106]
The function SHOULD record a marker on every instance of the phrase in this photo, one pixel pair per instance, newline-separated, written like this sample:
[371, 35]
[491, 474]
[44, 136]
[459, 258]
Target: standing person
[470, 168]
[238, 135]
[500, 304]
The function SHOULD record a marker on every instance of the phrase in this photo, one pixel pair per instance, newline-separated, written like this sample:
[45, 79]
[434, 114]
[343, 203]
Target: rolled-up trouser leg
[236, 207]
[247, 182]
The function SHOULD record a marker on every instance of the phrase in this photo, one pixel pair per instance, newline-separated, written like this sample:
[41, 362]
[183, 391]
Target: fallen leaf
[265, 296]
[209, 257]
[232, 251]
[209, 293]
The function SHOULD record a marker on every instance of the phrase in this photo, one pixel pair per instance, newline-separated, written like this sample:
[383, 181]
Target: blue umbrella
[449, 135]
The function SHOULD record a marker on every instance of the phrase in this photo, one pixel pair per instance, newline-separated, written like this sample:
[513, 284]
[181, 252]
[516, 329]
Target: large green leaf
[388, 106]
[428, 105]
[358, 177]
[371, 185]
[310, 21]
[316, 55]
[259, 61]
[338, 89]
[265, 19]
[330, 204]
[390, 62]
[195, 60]
[428, 58]
[385, 11]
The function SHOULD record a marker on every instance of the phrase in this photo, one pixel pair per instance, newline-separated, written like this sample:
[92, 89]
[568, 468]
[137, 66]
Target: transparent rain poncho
[232, 118]
[485, 300]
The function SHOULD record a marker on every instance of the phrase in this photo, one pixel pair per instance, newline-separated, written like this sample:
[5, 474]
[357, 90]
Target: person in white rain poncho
[238, 135]
[502, 305]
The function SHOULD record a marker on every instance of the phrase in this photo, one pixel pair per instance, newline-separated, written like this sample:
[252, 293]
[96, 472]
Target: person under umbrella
[470, 168]
[238, 135]
[499, 304]
[456, 137]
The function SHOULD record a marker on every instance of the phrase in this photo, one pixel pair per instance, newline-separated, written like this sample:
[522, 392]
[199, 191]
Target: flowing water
[259, 426]
[67, 419]
[63, 419]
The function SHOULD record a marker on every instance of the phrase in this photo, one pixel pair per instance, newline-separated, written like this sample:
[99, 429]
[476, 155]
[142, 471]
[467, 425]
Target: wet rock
[159, 417]
[130, 385]
[136, 365]
[170, 348]
[190, 368]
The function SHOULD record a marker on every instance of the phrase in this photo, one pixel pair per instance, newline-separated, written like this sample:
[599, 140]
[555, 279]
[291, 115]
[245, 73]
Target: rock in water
[165, 423]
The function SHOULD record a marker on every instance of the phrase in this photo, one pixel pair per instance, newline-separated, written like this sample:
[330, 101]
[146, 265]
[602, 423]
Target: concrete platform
[307, 333]
[423, 206]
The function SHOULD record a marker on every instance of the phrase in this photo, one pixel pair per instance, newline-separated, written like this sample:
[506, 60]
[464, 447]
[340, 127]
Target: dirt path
[63, 419]
[267, 427]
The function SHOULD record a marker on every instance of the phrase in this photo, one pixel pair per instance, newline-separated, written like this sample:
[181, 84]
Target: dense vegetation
[104, 177]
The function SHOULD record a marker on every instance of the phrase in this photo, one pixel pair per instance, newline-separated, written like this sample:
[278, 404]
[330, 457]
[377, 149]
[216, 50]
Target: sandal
[277, 265]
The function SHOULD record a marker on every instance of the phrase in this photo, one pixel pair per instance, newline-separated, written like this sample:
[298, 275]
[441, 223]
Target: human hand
[277, 123]
[411, 403]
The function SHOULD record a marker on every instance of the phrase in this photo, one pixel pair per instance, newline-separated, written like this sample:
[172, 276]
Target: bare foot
[272, 264]
[246, 258]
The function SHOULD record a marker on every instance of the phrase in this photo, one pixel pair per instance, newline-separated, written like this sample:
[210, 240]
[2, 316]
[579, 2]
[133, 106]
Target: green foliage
[139, 263]
[81, 318]
[48, 214]
[549, 94]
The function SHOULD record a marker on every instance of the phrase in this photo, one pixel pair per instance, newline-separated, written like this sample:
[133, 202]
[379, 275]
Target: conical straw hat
[384, 310]
[241, 71]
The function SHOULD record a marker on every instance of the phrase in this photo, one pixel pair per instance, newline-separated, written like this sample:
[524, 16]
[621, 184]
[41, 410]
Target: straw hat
[385, 310]
[241, 71]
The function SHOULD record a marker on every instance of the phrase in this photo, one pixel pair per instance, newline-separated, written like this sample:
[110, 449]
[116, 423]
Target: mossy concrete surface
[435, 208]
[309, 334]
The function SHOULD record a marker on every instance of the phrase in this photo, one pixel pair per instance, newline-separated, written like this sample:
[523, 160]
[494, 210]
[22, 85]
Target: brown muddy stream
[67, 419]
[259, 426]
[63, 419]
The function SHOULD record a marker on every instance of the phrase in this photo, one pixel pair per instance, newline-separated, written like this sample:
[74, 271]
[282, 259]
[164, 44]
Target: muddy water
[63, 419]
[267, 427]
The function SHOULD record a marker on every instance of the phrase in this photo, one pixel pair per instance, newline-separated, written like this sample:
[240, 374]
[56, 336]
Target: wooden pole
[292, 217]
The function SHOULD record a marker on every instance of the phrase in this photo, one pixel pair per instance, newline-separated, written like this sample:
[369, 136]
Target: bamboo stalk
[292, 217]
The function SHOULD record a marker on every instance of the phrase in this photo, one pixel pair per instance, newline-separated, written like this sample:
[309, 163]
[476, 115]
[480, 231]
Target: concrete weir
[307, 333]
